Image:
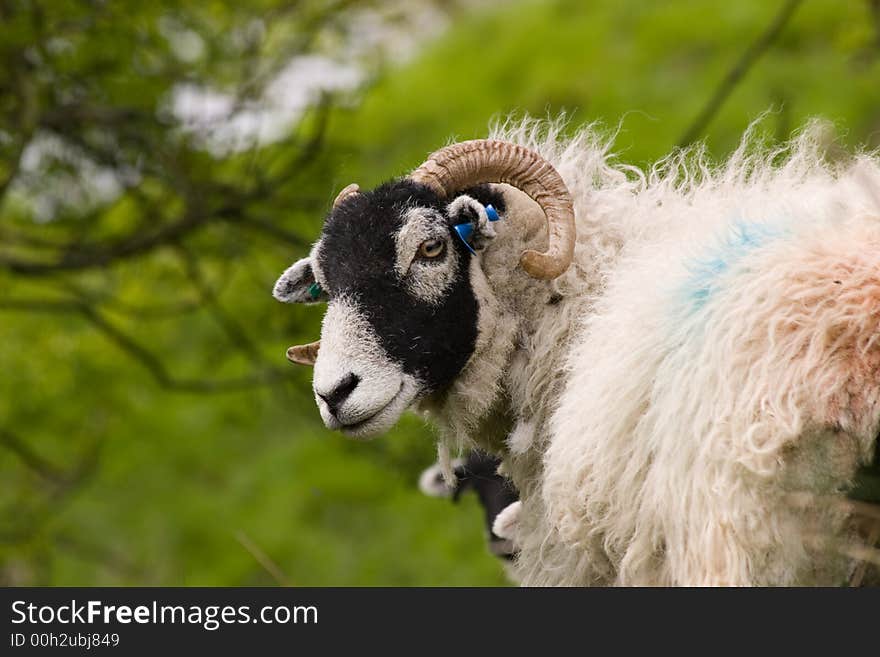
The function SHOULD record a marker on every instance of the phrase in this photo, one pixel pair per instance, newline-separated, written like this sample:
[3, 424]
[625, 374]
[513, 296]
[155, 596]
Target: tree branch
[30, 458]
[152, 363]
[273, 230]
[738, 72]
[234, 332]
[91, 256]
[117, 306]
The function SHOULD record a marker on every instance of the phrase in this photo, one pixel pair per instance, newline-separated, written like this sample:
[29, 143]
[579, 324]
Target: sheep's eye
[432, 248]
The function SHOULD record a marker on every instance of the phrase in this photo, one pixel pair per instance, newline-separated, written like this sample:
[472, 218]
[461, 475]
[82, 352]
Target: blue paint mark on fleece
[741, 239]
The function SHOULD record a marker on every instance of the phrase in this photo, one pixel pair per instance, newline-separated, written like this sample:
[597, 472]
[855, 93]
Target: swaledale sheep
[681, 381]
[478, 471]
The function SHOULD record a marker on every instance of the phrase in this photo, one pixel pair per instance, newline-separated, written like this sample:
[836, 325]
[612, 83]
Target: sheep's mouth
[379, 419]
[354, 426]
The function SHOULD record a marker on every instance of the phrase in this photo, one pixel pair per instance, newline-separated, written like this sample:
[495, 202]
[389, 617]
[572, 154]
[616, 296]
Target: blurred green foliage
[150, 430]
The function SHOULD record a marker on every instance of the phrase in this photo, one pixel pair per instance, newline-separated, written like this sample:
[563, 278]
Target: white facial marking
[350, 346]
[426, 279]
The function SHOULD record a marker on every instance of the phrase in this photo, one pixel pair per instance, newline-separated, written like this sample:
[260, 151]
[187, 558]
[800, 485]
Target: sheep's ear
[472, 221]
[297, 284]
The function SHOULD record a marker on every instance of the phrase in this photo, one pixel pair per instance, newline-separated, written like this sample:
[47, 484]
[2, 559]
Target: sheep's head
[393, 265]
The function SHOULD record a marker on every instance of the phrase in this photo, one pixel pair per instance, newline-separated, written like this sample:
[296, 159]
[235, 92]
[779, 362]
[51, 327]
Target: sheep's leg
[479, 472]
[506, 523]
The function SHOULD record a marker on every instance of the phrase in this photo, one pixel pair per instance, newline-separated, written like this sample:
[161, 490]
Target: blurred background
[161, 163]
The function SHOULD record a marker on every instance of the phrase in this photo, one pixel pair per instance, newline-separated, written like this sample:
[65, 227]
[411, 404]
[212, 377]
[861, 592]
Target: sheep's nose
[336, 397]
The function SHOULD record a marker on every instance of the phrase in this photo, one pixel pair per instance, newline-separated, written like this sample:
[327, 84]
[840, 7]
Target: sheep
[678, 367]
[495, 492]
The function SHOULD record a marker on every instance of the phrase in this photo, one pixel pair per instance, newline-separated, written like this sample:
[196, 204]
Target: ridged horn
[304, 354]
[347, 191]
[470, 163]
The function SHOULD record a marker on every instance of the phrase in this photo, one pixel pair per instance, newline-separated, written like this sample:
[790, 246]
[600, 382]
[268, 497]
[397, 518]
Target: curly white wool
[712, 352]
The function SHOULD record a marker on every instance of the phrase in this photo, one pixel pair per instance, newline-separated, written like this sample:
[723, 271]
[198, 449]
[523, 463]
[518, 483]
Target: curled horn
[481, 161]
[348, 190]
[304, 354]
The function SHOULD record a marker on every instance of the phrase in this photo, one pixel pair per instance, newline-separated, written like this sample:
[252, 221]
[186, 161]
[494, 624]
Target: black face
[431, 341]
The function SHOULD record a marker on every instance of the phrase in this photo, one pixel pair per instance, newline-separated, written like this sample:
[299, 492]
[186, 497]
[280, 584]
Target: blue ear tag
[466, 231]
[314, 291]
